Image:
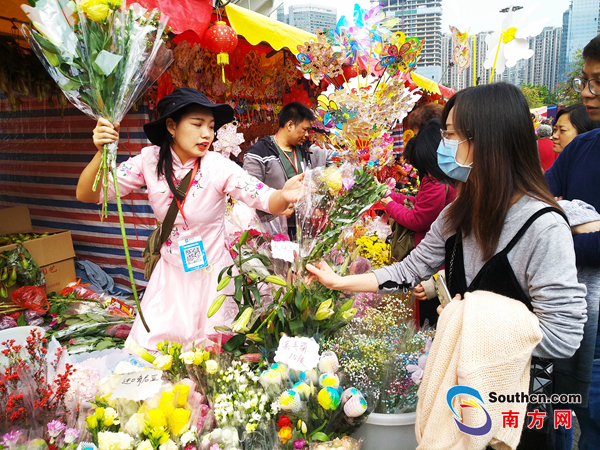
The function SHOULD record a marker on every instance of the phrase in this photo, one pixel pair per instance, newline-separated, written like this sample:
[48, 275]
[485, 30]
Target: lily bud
[240, 325]
[254, 337]
[349, 315]
[324, 311]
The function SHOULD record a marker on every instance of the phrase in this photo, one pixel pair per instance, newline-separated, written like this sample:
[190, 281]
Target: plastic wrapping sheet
[41, 157]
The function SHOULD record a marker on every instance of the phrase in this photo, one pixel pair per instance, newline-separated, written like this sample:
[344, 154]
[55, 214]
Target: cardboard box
[54, 254]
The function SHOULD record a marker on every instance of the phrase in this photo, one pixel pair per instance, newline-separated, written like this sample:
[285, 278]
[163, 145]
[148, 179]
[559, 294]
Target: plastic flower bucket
[381, 430]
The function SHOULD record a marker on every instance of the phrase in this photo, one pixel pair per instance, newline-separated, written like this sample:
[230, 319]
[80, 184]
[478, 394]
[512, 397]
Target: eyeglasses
[446, 136]
[580, 83]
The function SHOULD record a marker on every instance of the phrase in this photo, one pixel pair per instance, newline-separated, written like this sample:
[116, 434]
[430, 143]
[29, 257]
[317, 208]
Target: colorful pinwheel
[396, 59]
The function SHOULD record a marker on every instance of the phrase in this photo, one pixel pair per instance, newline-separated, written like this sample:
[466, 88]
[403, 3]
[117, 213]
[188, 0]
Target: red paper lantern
[222, 40]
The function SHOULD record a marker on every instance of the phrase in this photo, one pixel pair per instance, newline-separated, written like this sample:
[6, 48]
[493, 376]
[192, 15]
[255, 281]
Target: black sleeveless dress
[498, 276]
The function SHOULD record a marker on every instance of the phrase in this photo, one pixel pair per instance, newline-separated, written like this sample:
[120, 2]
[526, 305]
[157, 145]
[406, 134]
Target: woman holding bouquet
[178, 295]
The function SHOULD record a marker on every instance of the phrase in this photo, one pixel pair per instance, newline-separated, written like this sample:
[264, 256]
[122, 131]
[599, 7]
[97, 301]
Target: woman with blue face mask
[504, 233]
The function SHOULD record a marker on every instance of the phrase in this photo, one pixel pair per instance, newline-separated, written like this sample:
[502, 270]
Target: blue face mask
[446, 156]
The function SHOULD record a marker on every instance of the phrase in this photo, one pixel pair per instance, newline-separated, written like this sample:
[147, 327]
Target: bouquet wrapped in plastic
[335, 198]
[34, 385]
[103, 56]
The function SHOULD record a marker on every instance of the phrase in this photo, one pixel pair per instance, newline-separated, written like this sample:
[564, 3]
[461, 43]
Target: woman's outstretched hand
[321, 271]
[293, 189]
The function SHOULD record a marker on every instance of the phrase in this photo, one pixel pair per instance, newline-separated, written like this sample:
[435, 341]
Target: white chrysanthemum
[135, 425]
[144, 445]
[114, 441]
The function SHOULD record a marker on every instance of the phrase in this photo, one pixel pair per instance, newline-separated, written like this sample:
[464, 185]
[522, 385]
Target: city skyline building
[580, 25]
[541, 68]
[309, 17]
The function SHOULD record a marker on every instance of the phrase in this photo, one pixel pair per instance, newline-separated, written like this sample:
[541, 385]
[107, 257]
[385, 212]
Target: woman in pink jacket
[435, 193]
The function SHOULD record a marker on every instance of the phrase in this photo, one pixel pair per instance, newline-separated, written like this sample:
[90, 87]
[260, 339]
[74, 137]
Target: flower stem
[126, 248]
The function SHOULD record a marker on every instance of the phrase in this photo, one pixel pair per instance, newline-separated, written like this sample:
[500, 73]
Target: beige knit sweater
[484, 342]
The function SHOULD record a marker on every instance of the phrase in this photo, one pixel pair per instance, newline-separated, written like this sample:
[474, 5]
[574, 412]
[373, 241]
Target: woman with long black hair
[504, 233]
[177, 297]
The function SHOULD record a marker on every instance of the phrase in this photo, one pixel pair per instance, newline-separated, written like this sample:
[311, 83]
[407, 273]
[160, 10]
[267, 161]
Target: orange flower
[285, 434]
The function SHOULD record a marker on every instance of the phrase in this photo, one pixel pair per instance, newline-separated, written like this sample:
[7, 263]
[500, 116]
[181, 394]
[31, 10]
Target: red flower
[284, 421]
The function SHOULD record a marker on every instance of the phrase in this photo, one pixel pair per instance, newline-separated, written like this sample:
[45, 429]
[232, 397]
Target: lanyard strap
[180, 204]
[293, 163]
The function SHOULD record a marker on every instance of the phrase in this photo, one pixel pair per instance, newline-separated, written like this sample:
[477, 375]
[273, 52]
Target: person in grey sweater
[275, 159]
[495, 201]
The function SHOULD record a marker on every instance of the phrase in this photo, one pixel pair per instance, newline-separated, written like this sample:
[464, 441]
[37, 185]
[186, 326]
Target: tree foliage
[539, 95]
[565, 90]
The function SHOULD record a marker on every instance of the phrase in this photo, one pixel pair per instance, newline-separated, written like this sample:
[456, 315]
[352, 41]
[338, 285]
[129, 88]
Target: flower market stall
[300, 366]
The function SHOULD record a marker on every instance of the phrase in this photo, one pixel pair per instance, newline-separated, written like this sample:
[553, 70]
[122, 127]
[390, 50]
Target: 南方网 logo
[474, 402]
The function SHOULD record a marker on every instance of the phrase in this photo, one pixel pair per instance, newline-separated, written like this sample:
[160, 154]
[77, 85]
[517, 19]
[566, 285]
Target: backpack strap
[530, 221]
[167, 224]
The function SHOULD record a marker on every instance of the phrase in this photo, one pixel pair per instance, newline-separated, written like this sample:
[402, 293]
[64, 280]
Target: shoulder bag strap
[167, 224]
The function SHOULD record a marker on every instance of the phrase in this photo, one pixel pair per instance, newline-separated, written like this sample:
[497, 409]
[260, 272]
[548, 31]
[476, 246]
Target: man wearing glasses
[576, 175]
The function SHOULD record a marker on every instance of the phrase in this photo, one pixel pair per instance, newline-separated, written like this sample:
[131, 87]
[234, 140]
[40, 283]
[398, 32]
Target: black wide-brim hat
[156, 131]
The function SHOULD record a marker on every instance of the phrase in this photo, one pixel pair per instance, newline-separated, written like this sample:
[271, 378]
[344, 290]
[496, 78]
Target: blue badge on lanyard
[193, 254]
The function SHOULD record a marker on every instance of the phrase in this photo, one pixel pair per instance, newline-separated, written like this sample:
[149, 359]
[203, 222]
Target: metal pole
[474, 60]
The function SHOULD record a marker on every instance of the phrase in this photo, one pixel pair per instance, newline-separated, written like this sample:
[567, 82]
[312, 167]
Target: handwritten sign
[299, 353]
[138, 386]
[285, 250]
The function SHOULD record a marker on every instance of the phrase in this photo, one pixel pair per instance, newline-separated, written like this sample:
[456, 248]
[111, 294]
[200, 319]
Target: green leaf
[280, 315]
[346, 306]
[21, 322]
[256, 295]
[234, 343]
[298, 299]
[238, 288]
[319, 436]
[96, 317]
[45, 43]
[221, 274]
[296, 327]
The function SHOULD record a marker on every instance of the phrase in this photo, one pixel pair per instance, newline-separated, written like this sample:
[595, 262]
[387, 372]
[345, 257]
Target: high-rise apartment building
[452, 78]
[581, 26]
[422, 19]
[281, 15]
[562, 62]
[310, 17]
[541, 68]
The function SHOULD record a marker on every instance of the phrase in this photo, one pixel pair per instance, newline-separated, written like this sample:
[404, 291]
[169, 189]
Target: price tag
[193, 254]
[138, 386]
[299, 353]
[285, 250]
